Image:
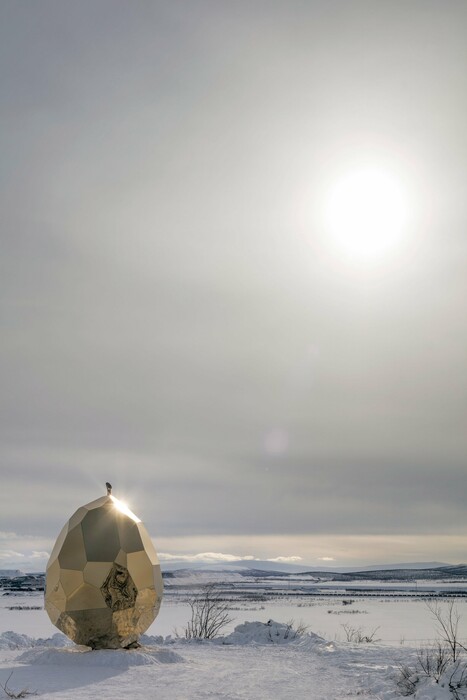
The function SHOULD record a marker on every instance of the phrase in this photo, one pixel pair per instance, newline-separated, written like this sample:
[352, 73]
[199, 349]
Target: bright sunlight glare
[123, 508]
[366, 214]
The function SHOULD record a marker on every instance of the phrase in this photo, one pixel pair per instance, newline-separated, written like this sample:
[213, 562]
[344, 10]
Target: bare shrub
[295, 629]
[441, 662]
[16, 694]
[348, 612]
[209, 614]
[407, 680]
[433, 661]
[457, 679]
[356, 634]
[447, 625]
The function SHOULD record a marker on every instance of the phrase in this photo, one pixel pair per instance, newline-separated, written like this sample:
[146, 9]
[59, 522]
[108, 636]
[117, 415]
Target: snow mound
[83, 657]
[267, 633]
[14, 640]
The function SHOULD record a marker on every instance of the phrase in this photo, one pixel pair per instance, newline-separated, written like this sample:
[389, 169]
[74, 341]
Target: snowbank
[82, 657]
[14, 640]
[266, 633]
[59, 650]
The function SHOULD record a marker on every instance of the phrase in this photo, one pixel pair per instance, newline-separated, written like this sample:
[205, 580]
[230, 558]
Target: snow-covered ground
[257, 661]
[248, 664]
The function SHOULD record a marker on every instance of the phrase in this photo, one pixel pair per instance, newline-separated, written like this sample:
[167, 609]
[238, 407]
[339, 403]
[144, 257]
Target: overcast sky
[174, 317]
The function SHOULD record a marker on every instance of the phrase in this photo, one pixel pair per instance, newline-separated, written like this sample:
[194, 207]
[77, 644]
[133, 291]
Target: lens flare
[123, 508]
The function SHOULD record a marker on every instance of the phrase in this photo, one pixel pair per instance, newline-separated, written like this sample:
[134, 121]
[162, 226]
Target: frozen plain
[254, 663]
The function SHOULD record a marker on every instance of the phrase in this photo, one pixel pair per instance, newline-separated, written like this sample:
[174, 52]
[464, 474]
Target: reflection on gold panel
[96, 572]
[148, 545]
[100, 532]
[53, 574]
[53, 612]
[58, 544]
[94, 628]
[103, 583]
[146, 620]
[77, 517]
[86, 597]
[72, 554]
[158, 584]
[121, 558]
[126, 620]
[98, 503]
[118, 589]
[146, 598]
[140, 569]
[130, 537]
[70, 580]
[56, 595]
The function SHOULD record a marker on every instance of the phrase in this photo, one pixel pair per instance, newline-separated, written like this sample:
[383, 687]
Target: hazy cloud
[10, 554]
[26, 552]
[205, 557]
[172, 317]
[219, 557]
[289, 560]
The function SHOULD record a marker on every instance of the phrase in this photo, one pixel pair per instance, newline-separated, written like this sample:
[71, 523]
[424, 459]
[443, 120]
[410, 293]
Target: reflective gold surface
[103, 581]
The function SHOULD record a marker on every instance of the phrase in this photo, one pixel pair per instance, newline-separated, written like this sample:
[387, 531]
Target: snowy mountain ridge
[263, 566]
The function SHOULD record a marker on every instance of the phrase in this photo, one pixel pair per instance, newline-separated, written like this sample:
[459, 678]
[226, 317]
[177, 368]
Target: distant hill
[410, 565]
[10, 573]
[284, 567]
[233, 566]
[442, 573]
[447, 573]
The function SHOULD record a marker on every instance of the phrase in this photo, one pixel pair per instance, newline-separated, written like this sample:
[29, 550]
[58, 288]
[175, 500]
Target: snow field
[252, 661]
[257, 661]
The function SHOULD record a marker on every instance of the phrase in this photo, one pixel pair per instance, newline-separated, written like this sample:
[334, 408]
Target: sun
[365, 214]
[123, 508]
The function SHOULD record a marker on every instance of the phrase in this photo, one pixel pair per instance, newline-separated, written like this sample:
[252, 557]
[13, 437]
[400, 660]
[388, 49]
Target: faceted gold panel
[58, 544]
[102, 501]
[86, 596]
[71, 580]
[148, 545]
[140, 569]
[100, 532]
[77, 517]
[54, 613]
[121, 558]
[158, 583]
[130, 537]
[57, 596]
[96, 572]
[72, 554]
[53, 576]
[103, 584]
[147, 598]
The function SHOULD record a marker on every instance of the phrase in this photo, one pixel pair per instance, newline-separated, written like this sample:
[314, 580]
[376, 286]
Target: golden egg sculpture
[103, 579]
